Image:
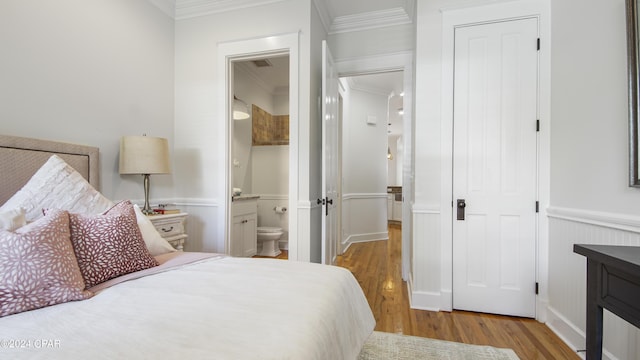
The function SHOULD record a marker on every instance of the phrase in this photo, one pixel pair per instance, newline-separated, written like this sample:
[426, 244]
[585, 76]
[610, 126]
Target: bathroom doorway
[259, 157]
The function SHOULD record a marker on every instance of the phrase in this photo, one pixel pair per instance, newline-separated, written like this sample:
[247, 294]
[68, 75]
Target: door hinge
[537, 206]
[537, 288]
[538, 44]
[538, 125]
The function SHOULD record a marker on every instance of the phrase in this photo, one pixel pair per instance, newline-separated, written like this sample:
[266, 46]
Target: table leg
[594, 312]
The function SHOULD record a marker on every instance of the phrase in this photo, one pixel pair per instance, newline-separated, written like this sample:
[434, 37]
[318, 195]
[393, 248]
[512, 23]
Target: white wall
[89, 73]
[364, 166]
[590, 199]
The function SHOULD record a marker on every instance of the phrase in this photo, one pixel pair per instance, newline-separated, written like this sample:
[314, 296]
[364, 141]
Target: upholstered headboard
[21, 157]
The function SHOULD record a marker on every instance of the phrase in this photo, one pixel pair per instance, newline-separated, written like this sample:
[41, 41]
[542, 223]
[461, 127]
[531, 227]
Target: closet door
[495, 167]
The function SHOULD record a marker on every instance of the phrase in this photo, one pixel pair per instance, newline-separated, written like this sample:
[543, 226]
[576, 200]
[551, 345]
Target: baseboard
[571, 334]
[567, 331]
[357, 238]
[423, 300]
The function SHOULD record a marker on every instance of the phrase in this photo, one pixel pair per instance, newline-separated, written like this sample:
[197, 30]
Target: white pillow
[156, 244]
[57, 185]
[12, 219]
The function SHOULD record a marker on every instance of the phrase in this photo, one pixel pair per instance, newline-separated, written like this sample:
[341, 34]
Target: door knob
[461, 205]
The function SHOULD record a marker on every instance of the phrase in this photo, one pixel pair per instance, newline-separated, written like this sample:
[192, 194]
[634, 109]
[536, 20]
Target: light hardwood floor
[376, 265]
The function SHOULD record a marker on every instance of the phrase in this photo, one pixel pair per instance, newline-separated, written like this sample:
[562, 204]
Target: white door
[494, 167]
[330, 197]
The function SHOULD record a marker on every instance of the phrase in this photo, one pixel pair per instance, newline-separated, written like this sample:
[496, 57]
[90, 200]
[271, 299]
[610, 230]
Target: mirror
[632, 71]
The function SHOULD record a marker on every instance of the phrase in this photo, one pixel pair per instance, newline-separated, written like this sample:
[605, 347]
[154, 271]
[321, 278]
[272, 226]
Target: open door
[330, 196]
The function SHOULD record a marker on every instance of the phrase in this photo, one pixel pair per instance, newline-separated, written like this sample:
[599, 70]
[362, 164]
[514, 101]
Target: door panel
[330, 108]
[495, 167]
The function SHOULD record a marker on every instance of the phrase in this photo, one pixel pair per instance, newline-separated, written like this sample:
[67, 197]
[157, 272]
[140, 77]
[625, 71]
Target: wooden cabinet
[244, 236]
[171, 228]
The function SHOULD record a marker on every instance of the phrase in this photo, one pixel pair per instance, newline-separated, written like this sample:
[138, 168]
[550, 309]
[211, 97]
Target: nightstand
[171, 228]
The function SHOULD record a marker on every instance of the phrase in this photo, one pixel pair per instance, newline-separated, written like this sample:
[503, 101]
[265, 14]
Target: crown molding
[186, 9]
[370, 20]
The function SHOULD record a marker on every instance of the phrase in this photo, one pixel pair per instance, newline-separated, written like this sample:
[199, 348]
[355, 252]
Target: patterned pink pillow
[109, 245]
[38, 267]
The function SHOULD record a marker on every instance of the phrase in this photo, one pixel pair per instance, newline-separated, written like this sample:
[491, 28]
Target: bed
[184, 305]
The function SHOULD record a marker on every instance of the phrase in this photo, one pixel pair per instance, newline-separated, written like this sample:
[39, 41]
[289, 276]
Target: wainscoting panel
[425, 285]
[364, 218]
[567, 277]
[201, 224]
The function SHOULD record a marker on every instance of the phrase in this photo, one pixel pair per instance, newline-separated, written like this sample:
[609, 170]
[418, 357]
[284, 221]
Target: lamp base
[147, 210]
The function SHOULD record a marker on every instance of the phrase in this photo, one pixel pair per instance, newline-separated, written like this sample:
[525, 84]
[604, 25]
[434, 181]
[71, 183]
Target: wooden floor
[376, 265]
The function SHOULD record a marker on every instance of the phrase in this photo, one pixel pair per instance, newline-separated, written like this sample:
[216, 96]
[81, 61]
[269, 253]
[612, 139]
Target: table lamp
[144, 155]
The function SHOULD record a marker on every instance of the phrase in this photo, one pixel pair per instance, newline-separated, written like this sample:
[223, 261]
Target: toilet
[268, 238]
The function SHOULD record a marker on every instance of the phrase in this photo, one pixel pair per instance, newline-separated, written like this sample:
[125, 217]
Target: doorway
[255, 49]
[372, 155]
[260, 156]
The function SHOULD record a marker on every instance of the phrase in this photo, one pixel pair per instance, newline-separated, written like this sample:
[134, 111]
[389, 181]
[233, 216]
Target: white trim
[370, 20]
[186, 9]
[245, 50]
[196, 202]
[364, 196]
[425, 209]
[423, 300]
[358, 238]
[599, 218]
[399, 61]
[571, 334]
[486, 14]
[565, 329]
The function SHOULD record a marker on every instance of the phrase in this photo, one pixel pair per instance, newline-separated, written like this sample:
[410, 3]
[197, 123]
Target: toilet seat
[269, 229]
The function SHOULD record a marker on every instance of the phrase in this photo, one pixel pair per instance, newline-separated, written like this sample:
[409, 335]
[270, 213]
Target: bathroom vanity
[244, 241]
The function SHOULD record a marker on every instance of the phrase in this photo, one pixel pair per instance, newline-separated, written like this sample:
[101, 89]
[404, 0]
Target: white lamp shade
[240, 110]
[144, 155]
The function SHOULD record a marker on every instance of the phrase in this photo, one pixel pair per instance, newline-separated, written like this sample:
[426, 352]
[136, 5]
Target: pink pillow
[38, 267]
[109, 245]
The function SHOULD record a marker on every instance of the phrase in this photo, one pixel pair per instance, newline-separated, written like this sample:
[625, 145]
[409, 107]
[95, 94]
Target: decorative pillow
[12, 219]
[155, 243]
[38, 267]
[109, 245]
[57, 185]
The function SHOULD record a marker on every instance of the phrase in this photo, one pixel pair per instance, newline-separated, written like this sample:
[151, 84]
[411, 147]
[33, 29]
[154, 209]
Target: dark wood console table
[613, 283]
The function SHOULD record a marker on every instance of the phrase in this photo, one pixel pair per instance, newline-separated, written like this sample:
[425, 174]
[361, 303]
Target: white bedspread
[221, 308]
